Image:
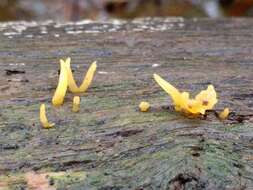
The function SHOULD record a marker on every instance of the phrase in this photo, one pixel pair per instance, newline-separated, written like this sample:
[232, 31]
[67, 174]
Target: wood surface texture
[110, 144]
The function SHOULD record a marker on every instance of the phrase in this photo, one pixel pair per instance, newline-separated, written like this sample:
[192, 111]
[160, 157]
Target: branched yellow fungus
[43, 117]
[224, 114]
[205, 100]
[144, 106]
[76, 104]
[87, 79]
[61, 89]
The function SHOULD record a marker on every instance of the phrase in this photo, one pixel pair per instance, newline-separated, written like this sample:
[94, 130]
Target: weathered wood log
[109, 144]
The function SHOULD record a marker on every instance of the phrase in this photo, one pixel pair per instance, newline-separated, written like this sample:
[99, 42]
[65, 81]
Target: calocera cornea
[87, 78]
[224, 114]
[205, 100]
[66, 80]
[76, 104]
[144, 106]
[62, 86]
[43, 117]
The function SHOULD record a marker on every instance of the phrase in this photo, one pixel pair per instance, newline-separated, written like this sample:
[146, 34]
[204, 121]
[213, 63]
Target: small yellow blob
[144, 106]
[76, 104]
[86, 81]
[43, 117]
[205, 100]
[61, 89]
[224, 114]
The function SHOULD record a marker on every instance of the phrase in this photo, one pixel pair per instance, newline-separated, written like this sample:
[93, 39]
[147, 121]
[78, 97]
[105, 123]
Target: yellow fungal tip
[62, 86]
[144, 106]
[88, 77]
[224, 114]
[205, 100]
[43, 117]
[76, 104]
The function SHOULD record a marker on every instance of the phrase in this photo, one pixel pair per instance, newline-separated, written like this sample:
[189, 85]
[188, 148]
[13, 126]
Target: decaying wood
[109, 144]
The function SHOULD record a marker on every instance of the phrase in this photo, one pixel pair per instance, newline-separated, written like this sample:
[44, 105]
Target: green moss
[219, 159]
[66, 179]
[13, 182]
[239, 128]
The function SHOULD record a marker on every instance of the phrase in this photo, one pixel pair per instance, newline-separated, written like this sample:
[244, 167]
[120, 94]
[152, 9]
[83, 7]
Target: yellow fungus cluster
[144, 106]
[205, 100]
[67, 81]
[202, 102]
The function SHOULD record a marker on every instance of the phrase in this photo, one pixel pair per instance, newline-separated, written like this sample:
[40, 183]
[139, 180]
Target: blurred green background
[73, 10]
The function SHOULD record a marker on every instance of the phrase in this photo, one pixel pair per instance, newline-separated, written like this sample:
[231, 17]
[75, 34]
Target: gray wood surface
[109, 144]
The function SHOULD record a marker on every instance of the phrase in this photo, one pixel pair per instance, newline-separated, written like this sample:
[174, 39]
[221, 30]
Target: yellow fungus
[76, 104]
[87, 79]
[207, 97]
[205, 100]
[61, 89]
[144, 106]
[71, 81]
[43, 117]
[224, 114]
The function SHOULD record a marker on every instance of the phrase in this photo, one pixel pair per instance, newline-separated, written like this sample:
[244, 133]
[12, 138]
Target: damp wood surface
[110, 144]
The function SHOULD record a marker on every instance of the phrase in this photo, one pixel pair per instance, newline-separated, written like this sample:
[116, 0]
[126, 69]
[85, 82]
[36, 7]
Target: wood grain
[109, 144]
